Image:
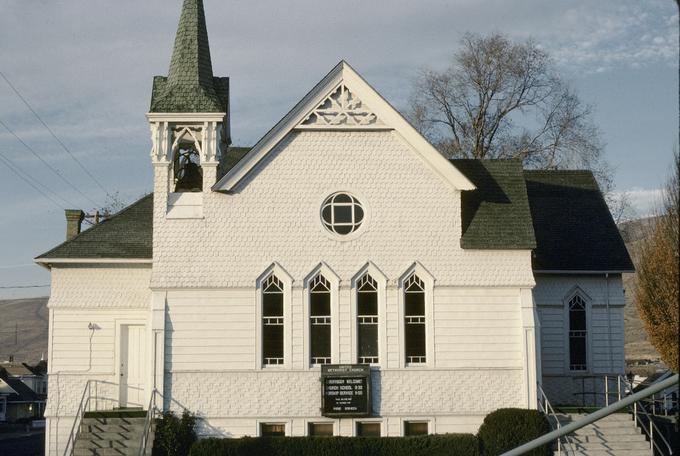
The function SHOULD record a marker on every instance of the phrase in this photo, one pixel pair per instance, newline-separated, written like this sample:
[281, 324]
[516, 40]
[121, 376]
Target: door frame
[118, 355]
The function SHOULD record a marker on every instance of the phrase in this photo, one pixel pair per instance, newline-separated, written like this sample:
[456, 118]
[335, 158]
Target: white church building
[343, 241]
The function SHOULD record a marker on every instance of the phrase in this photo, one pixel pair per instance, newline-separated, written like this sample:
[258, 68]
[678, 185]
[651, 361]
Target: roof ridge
[98, 225]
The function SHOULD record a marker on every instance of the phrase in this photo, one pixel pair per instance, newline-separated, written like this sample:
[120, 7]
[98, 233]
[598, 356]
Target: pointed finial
[191, 56]
[190, 85]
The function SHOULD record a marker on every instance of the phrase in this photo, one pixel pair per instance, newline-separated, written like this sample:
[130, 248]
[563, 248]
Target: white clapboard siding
[605, 327]
[477, 327]
[76, 348]
[210, 330]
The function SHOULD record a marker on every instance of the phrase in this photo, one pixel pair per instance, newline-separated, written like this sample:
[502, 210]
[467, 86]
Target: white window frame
[381, 280]
[287, 281]
[288, 426]
[358, 196]
[577, 291]
[335, 423]
[356, 421]
[334, 280]
[429, 281]
[428, 421]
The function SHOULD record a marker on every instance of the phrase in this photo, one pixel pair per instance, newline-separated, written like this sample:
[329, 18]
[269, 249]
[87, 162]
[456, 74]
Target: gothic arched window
[272, 321]
[578, 334]
[320, 320]
[414, 320]
[367, 320]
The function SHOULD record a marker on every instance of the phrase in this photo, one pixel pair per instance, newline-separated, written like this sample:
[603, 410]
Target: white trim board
[343, 73]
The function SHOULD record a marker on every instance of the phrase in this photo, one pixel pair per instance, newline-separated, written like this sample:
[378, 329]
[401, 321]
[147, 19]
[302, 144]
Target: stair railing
[649, 428]
[151, 413]
[545, 407]
[89, 398]
[75, 429]
[595, 416]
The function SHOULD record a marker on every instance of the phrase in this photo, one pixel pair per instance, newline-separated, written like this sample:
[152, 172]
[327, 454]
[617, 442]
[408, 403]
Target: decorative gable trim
[342, 109]
[344, 75]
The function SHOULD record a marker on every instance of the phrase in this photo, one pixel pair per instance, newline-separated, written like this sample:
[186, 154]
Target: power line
[18, 169]
[27, 180]
[63, 146]
[54, 170]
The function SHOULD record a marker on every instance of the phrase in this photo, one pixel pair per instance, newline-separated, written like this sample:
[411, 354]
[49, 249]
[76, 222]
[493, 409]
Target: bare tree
[657, 291]
[502, 99]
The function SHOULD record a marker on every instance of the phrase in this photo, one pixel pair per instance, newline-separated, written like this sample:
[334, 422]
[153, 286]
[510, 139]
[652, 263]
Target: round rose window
[342, 213]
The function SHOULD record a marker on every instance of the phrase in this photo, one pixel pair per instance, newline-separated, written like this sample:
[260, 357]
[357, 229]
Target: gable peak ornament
[341, 109]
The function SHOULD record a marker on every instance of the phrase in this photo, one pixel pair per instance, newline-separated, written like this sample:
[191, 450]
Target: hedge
[509, 428]
[431, 445]
[174, 435]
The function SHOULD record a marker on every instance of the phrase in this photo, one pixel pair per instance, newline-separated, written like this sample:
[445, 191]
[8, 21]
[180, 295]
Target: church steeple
[190, 86]
[189, 121]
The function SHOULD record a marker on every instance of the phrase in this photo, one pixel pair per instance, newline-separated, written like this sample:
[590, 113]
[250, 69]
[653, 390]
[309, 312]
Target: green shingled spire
[190, 85]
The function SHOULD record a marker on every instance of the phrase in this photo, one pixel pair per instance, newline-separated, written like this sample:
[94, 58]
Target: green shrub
[174, 436]
[432, 445]
[509, 428]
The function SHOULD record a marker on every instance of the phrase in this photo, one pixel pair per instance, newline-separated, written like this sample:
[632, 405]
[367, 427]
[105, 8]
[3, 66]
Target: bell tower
[189, 120]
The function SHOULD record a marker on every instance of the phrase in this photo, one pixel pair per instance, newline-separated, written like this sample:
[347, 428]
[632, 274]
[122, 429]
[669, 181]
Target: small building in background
[18, 402]
[32, 376]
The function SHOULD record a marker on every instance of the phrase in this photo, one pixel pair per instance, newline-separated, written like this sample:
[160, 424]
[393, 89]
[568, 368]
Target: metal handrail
[84, 406]
[595, 416]
[547, 408]
[148, 422]
[75, 429]
[663, 401]
[652, 427]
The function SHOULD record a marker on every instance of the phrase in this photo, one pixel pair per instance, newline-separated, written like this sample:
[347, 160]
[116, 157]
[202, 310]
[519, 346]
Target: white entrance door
[132, 365]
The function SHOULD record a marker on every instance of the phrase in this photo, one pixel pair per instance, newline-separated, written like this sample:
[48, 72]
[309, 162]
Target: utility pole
[16, 334]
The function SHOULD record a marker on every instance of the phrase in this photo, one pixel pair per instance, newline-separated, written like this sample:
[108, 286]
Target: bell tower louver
[189, 115]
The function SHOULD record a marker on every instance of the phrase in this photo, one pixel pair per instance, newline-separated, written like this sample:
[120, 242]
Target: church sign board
[345, 390]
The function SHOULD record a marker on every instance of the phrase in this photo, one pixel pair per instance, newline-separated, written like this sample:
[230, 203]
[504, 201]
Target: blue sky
[86, 66]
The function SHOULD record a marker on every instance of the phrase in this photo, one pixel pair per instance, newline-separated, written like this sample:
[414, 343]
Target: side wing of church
[341, 240]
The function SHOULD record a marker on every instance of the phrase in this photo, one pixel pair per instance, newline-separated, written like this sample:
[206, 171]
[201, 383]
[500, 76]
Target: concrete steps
[614, 435]
[110, 434]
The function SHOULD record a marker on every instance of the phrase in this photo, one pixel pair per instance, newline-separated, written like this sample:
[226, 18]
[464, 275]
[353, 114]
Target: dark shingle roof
[22, 393]
[190, 85]
[233, 156]
[496, 214]
[128, 234]
[574, 228]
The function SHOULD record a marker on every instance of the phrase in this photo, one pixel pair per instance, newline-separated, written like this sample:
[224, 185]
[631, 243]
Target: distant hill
[23, 329]
[637, 345]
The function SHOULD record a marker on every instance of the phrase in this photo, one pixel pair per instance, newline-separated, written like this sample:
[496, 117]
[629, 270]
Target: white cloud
[644, 201]
[593, 36]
